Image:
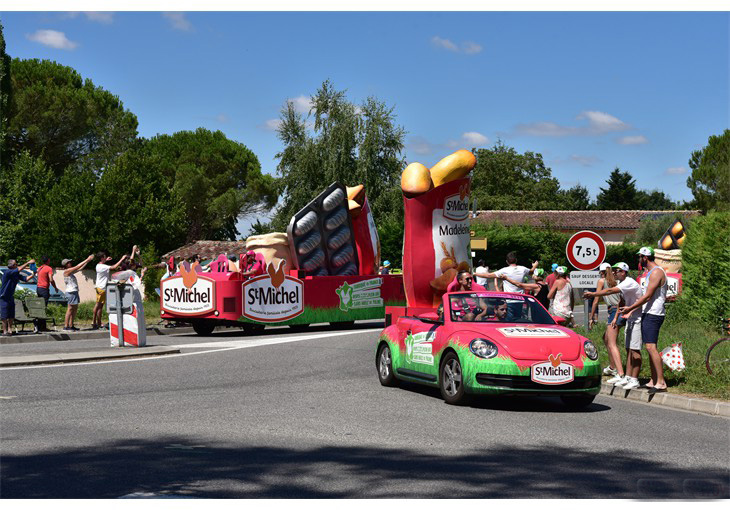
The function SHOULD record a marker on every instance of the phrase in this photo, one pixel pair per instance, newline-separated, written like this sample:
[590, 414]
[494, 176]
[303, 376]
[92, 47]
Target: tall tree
[214, 179]
[4, 98]
[710, 178]
[576, 198]
[504, 179]
[654, 200]
[56, 115]
[620, 194]
[351, 144]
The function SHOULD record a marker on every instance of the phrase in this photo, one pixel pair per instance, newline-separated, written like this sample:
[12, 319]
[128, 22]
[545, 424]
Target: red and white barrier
[135, 330]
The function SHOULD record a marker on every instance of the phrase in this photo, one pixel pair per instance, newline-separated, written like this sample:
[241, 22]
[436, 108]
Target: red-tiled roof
[208, 249]
[599, 220]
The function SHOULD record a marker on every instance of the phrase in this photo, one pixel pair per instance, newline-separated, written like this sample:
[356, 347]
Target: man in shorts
[631, 292]
[652, 314]
[102, 278]
[10, 276]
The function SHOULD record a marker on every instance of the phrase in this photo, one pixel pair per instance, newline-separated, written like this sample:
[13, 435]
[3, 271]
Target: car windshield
[497, 307]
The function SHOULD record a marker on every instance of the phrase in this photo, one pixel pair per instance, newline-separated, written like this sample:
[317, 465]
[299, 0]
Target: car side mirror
[432, 317]
[559, 320]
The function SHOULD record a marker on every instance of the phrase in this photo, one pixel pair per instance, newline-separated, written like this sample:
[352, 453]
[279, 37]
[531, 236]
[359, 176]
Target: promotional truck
[323, 270]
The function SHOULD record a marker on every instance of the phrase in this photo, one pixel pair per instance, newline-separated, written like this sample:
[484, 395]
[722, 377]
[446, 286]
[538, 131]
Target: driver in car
[498, 312]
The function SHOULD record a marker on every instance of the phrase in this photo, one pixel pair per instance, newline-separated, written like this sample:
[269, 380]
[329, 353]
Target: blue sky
[589, 91]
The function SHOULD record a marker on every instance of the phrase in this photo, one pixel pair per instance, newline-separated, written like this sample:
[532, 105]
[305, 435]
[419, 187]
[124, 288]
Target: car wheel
[577, 402]
[299, 327]
[203, 327]
[249, 327]
[451, 380]
[385, 366]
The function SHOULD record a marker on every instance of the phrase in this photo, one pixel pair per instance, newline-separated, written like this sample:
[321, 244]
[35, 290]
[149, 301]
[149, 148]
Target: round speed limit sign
[585, 250]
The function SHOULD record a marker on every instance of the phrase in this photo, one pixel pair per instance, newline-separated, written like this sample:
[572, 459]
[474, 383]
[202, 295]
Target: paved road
[236, 416]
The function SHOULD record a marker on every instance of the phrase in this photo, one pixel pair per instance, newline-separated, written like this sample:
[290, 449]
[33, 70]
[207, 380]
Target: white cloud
[52, 38]
[633, 140]
[444, 43]
[584, 160]
[302, 104]
[471, 48]
[100, 17]
[222, 117]
[676, 170]
[272, 124]
[468, 47]
[474, 138]
[599, 123]
[178, 21]
[420, 145]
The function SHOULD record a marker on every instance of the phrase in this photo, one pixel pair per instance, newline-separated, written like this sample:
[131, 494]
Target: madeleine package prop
[673, 357]
[437, 233]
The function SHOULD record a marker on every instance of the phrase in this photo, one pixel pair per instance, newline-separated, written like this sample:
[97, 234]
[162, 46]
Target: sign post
[585, 251]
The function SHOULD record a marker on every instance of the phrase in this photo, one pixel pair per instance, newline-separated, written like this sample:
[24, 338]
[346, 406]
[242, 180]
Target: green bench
[20, 316]
[37, 309]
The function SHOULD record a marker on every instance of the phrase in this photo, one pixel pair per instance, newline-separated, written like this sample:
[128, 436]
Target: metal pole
[585, 312]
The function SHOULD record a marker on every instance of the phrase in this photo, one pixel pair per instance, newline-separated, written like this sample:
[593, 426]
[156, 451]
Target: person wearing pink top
[253, 266]
[464, 283]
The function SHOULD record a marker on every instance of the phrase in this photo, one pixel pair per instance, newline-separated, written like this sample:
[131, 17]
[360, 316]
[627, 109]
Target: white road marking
[215, 347]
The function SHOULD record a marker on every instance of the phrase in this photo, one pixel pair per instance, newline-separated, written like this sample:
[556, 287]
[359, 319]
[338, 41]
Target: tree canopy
[710, 178]
[347, 143]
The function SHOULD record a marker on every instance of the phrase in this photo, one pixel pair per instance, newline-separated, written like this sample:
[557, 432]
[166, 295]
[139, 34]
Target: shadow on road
[177, 467]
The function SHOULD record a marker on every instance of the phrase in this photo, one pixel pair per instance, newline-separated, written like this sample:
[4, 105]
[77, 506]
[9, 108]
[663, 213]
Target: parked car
[57, 297]
[489, 343]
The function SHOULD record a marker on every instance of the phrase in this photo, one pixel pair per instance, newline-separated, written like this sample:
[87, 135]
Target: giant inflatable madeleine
[436, 239]
[273, 246]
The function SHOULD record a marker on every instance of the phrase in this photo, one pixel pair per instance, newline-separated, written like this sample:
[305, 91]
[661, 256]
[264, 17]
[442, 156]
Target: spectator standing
[652, 314]
[612, 300]
[7, 293]
[629, 291]
[550, 279]
[72, 290]
[562, 293]
[481, 268]
[514, 272]
[102, 278]
[43, 289]
[385, 268]
[539, 289]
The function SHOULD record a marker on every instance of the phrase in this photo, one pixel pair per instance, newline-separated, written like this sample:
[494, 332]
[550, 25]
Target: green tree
[620, 194]
[351, 144]
[654, 200]
[710, 178]
[506, 180]
[56, 115]
[213, 179]
[576, 198]
[4, 98]
[22, 191]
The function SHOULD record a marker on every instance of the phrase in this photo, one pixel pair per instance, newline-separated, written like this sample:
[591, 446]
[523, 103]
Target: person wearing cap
[385, 268]
[72, 290]
[630, 292]
[653, 311]
[539, 289]
[612, 300]
[10, 278]
[562, 294]
[252, 266]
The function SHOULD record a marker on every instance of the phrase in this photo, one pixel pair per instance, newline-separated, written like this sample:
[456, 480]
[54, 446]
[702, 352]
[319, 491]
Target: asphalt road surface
[301, 415]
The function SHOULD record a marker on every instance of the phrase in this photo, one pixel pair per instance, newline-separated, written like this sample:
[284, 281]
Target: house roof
[598, 220]
[208, 249]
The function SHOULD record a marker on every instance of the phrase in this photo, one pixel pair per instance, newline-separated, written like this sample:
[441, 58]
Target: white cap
[623, 266]
[604, 266]
[561, 270]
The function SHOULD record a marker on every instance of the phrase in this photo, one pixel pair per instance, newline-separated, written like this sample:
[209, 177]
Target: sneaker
[94, 326]
[616, 378]
[631, 384]
[624, 380]
[609, 371]
[68, 329]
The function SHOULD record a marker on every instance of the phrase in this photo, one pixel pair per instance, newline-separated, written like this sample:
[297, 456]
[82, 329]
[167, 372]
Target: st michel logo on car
[275, 297]
[552, 371]
[188, 294]
[532, 331]
[456, 207]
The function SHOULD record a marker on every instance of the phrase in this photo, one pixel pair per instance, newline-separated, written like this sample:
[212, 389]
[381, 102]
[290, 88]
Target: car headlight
[591, 350]
[483, 348]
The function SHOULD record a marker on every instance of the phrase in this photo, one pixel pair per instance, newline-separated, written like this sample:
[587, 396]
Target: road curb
[112, 353]
[62, 336]
[694, 404]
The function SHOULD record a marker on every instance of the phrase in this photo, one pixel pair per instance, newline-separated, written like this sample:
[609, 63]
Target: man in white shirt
[102, 278]
[481, 268]
[512, 271]
[631, 292]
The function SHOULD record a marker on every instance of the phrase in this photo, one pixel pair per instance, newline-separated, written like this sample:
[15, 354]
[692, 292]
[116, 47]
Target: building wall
[86, 280]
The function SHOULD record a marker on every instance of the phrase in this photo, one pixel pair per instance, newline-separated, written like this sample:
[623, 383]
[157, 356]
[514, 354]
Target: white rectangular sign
[584, 279]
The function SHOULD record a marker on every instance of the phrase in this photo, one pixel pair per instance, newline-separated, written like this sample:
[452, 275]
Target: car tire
[577, 401]
[451, 380]
[384, 365]
[203, 327]
[299, 327]
[251, 328]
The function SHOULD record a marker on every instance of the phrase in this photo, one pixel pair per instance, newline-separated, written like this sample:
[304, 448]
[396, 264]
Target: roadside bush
[706, 270]
[625, 252]
[543, 244]
[651, 230]
[23, 293]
